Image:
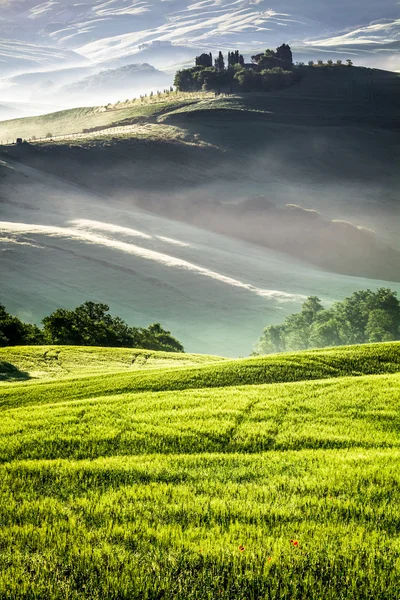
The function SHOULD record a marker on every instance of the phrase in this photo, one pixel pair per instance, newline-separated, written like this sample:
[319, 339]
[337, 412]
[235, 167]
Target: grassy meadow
[326, 96]
[136, 474]
[77, 120]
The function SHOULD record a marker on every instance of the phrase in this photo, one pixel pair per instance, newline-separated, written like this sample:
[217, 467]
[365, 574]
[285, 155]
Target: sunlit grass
[76, 120]
[70, 361]
[197, 482]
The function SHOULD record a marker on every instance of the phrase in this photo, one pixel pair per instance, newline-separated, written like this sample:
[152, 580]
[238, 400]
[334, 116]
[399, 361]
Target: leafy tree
[87, 325]
[276, 79]
[272, 340]
[311, 309]
[249, 80]
[268, 60]
[282, 58]
[14, 332]
[256, 58]
[204, 60]
[349, 62]
[3, 340]
[235, 58]
[266, 80]
[284, 54]
[220, 62]
[352, 316]
[380, 326]
[157, 338]
[297, 332]
[324, 334]
[91, 325]
[330, 63]
[183, 80]
[311, 63]
[365, 316]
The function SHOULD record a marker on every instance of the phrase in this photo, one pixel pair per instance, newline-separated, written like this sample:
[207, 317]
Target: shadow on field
[9, 372]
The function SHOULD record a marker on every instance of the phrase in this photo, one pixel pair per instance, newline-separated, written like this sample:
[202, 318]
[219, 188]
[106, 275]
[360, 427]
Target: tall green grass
[49, 362]
[171, 527]
[319, 364]
[341, 413]
[76, 120]
[203, 482]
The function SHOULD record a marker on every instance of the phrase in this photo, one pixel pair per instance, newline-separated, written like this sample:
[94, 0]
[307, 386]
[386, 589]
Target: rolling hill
[215, 293]
[193, 478]
[328, 144]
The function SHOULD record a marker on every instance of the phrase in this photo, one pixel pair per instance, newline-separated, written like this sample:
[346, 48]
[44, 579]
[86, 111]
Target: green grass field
[76, 120]
[142, 475]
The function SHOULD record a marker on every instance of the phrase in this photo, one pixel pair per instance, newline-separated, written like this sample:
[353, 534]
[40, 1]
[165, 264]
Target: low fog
[215, 293]
[48, 91]
[327, 196]
[216, 221]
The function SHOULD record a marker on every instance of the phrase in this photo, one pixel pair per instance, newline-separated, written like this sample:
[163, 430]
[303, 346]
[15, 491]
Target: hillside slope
[111, 490]
[328, 143]
[214, 293]
[44, 362]
[355, 361]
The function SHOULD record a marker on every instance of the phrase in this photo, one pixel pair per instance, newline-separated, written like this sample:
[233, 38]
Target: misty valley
[214, 198]
[199, 300]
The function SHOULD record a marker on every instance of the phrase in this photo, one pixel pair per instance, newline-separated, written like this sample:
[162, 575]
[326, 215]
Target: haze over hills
[246, 201]
[90, 217]
[215, 293]
[113, 84]
[318, 144]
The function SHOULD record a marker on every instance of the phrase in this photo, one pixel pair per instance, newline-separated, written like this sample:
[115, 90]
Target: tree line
[267, 71]
[364, 317]
[90, 324]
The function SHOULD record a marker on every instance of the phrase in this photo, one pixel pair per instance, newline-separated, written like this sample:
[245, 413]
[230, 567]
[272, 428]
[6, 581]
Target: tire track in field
[228, 443]
[278, 419]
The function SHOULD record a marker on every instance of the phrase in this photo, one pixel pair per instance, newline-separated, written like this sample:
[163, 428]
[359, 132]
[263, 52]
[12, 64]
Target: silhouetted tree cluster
[281, 58]
[263, 81]
[14, 332]
[220, 63]
[204, 60]
[235, 58]
[364, 317]
[87, 325]
[268, 71]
